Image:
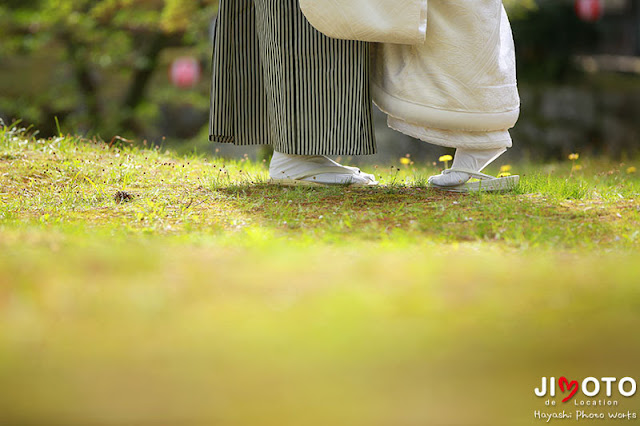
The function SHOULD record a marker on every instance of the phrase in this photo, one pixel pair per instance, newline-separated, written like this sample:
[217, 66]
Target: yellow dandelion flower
[445, 158]
[574, 156]
[405, 161]
[505, 168]
[504, 174]
[576, 168]
[631, 170]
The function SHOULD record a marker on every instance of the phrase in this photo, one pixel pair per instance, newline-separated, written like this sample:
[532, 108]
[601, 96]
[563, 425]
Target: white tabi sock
[287, 166]
[473, 159]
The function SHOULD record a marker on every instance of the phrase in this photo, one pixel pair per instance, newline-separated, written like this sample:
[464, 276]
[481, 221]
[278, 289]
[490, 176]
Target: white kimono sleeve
[383, 21]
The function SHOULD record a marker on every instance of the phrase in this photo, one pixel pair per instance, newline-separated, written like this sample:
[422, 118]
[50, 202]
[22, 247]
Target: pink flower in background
[589, 10]
[185, 72]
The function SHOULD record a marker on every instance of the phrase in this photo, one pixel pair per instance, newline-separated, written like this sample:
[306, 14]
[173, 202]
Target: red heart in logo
[569, 385]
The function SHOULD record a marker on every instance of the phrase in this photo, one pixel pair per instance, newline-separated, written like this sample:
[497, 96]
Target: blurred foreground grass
[212, 298]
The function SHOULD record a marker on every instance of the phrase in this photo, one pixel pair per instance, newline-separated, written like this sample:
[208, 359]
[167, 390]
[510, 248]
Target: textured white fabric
[462, 79]
[423, 20]
[302, 167]
[384, 21]
[452, 138]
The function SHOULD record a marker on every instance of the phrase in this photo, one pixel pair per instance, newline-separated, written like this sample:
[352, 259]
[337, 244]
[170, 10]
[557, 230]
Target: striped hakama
[276, 80]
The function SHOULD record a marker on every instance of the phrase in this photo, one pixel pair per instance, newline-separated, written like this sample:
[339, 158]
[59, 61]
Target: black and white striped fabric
[276, 80]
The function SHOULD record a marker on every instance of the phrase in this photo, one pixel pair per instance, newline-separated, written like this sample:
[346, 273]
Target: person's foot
[469, 159]
[316, 169]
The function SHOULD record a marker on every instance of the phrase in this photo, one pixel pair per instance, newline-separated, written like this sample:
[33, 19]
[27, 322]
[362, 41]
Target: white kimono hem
[453, 138]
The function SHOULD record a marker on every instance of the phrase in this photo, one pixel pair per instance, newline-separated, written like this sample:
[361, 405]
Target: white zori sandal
[467, 164]
[484, 183]
[314, 170]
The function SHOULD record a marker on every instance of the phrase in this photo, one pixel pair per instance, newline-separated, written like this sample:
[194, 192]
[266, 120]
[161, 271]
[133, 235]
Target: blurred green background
[101, 68]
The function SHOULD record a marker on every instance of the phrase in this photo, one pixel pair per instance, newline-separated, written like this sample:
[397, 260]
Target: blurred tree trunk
[84, 78]
[140, 80]
[636, 9]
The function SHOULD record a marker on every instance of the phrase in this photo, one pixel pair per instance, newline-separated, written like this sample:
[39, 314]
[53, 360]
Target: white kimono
[458, 87]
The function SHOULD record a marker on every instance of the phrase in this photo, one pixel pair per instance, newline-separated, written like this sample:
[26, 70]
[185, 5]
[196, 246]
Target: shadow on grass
[418, 213]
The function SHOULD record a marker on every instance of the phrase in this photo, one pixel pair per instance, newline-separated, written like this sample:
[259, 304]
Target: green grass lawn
[213, 298]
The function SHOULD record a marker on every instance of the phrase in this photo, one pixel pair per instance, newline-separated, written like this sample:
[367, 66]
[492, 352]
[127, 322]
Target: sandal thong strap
[473, 173]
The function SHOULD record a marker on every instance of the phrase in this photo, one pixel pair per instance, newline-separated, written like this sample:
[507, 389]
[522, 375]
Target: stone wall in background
[559, 120]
